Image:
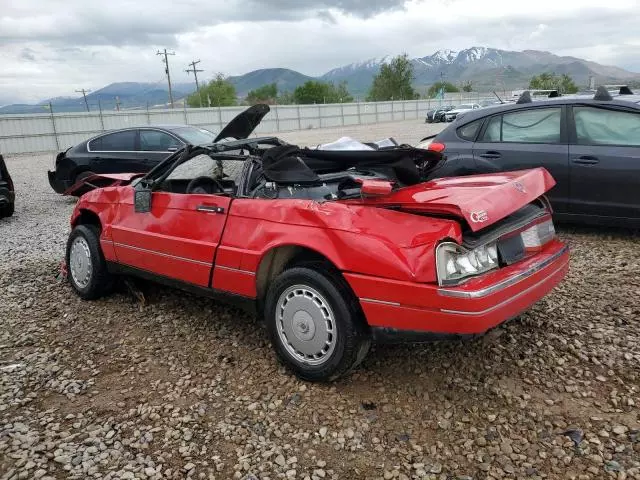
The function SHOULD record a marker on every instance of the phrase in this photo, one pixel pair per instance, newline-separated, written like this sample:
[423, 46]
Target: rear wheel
[314, 323]
[86, 265]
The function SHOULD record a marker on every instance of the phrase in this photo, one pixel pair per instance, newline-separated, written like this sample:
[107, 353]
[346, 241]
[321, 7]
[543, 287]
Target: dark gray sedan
[590, 145]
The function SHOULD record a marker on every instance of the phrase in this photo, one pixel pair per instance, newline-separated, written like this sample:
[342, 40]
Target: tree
[434, 90]
[550, 81]
[219, 92]
[467, 86]
[393, 82]
[286, 98]
[321, 92]
[264, 94]
[342, 92]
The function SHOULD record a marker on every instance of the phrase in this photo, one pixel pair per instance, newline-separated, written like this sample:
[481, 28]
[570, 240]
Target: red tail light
[437, 147]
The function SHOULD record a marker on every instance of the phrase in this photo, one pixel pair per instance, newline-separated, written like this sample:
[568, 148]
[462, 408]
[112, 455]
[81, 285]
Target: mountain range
[486, 68]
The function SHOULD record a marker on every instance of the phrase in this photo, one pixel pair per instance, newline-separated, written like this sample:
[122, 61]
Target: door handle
[491, 154]
[210, 209]
[586, 160]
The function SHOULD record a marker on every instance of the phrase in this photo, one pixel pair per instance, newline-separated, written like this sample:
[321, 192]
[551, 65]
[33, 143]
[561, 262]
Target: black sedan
[590, 145]
[139, 149]
[7, 192]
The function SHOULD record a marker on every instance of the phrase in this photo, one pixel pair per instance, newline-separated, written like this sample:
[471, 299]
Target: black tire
[100, 281]
[7, 210]
[352, 337]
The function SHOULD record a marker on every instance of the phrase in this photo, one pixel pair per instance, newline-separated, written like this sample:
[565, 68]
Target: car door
[528, 138]
[179, 237]
[115, 153]
[156, 145]
[604, 157]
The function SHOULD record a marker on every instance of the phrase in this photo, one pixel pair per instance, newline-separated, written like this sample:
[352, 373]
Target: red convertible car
[334, 249]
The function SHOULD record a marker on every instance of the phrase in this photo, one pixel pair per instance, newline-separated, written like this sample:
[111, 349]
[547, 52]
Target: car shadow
[577, 229]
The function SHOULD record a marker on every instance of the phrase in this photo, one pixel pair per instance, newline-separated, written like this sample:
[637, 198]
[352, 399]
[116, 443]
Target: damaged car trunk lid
[481, 200]
[244, 123]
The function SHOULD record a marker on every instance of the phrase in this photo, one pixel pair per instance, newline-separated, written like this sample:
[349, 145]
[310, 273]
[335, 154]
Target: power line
[84, 94]
[195, 75]
[166, 69]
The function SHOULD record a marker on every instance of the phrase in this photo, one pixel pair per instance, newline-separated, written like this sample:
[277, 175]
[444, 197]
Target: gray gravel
[180, 387]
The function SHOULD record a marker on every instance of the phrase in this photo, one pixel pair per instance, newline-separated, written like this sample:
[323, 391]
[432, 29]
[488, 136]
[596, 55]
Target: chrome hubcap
[306, 325]
[80, 262]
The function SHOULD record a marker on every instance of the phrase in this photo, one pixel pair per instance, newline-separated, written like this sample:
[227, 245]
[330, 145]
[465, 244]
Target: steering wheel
[205, 185]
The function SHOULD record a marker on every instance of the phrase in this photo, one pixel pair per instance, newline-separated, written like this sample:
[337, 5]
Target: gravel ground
[177, 386]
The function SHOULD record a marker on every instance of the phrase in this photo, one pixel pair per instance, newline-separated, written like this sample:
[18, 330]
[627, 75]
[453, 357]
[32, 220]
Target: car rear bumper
[58, 185]
[470, 309]
[6, 196]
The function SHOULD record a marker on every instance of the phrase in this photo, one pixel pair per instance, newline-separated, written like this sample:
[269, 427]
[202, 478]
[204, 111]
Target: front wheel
[315, 324]
[86, 265]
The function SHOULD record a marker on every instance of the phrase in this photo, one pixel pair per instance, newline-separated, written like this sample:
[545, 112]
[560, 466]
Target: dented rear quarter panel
[360, 239]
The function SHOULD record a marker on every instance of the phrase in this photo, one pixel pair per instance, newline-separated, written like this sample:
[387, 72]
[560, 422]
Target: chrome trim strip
[246, 272]
[382, 302]
[505, 283]
[509, 300]
[139, 249]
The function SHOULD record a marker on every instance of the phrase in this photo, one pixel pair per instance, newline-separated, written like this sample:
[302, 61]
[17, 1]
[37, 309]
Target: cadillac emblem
[479, 216]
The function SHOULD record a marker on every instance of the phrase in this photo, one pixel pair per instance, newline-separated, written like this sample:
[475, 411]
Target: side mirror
[142, 199]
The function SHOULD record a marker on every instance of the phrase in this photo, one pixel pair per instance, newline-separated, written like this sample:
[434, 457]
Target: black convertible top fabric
[292, 164]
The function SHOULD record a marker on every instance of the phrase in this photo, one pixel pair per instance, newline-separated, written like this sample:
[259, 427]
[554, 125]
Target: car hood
[244, 123]
[481, 200]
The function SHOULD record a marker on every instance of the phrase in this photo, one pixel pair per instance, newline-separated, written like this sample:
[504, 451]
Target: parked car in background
[139, 149]
[589, 144]
[437, 114]
[7, 191]
[334, 249]
[451, 115]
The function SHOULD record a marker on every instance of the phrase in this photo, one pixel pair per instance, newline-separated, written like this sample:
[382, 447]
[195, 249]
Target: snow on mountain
[371, 64]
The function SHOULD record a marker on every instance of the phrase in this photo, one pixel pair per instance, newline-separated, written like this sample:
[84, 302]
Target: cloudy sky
[51, 47]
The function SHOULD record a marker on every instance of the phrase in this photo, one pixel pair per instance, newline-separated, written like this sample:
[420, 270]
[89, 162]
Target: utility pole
[166, 69]
[195, 75]
[118, 104]
[84, 94]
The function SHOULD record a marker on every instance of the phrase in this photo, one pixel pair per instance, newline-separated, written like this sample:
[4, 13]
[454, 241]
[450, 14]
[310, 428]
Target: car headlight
[455, 263]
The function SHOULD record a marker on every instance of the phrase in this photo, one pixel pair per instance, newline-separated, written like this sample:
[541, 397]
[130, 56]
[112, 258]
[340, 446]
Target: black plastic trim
[246, 303]
[384, 335]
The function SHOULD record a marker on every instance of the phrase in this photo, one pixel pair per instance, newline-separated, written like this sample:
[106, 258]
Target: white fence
[49, 132]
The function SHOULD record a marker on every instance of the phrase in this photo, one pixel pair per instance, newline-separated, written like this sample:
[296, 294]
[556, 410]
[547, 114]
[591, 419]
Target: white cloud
[50, 48]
